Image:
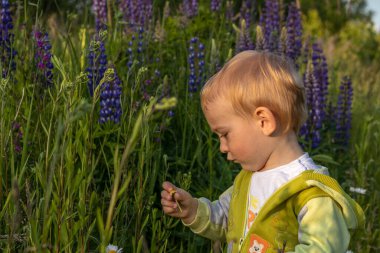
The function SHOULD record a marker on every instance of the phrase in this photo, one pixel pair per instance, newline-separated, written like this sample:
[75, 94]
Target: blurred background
[99, 104]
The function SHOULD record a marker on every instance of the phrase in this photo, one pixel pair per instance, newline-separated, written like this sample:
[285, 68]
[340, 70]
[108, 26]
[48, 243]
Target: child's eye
[224, 135]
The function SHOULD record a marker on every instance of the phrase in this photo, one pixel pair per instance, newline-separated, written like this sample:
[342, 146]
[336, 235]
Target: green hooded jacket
[276, 227]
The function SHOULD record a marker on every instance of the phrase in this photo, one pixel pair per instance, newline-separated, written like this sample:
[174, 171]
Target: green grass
[77, 186]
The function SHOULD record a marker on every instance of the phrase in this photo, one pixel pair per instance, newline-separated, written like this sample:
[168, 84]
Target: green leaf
[324, 159]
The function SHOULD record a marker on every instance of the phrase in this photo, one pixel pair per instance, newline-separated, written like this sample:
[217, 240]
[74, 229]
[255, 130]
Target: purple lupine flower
[312, 127]
[192, 64]
[128, 10]
[201, 63]
[229, 10]
[316, 84]
[130, 52]
[215, 5]
[321, 74]
[99, 8]
[110, 106]
[305, 51]
[17, 137]
[190, 8]
[140, 41]
[136, 48]
[7, 52]
[146, 10]
[244, 40]
[293, 33]
[246, 12]
[196, 64]
[136, 12]
[97, 63]
[43, 59]
[343, 114]
[270, 20]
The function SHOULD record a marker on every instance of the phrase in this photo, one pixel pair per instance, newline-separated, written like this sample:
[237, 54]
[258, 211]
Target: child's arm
[322, 227]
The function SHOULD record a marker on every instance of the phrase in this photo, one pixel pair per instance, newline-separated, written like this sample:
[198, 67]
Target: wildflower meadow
[99, 104]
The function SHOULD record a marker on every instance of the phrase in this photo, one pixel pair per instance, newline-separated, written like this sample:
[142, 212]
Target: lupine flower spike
[316, 84]
[110, 107]
[229, 10]
[244, 40]
[196, 64]
[215, 5]
[270, 20]
[321, 74]
[311, 129]
[99, 8]
[136, 48]
[343, 112]
[293, 33]
[7, 52]
[136, 12]
[43, 59]
[190, 7]
[246, 12]
[97, 62]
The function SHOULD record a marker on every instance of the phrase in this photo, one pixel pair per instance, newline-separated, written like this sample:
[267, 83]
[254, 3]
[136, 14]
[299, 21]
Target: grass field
[99, 107]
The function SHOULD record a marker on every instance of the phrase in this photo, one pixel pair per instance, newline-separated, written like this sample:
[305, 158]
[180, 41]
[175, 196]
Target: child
[281, 201]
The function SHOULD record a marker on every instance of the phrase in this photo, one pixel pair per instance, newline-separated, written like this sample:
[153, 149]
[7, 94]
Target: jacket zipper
[241, 240]
[240, 244]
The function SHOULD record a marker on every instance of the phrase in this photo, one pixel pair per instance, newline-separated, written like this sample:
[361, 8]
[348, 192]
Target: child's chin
[246, 167]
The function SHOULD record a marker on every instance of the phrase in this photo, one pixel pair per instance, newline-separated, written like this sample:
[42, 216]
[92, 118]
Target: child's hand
[178, 203]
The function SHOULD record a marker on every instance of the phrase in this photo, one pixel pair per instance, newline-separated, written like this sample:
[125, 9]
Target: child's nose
[223, 147]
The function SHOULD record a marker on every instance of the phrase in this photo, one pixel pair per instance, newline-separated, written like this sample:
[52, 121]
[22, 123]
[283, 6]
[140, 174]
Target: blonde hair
[252, 79]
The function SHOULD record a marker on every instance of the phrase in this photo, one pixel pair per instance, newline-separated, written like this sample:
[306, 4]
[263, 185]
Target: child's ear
[266, 120]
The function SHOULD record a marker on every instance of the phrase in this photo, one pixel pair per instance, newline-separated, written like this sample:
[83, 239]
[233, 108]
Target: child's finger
[171, 211]
[171, 208]
[168, 203]
[171, 189]
[167, 186]
[180, 194]
[166, 195]
[175, 194]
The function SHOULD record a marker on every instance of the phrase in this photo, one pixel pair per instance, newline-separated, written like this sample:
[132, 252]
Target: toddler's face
[240, 138]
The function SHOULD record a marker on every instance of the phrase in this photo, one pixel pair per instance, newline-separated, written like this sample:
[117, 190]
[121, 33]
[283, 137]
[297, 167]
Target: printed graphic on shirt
[251, 218]
[252, 211]
[257, 244]
[254, 202]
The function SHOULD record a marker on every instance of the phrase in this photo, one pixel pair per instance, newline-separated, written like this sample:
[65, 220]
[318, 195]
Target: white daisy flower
[113, 249]
[357, 190]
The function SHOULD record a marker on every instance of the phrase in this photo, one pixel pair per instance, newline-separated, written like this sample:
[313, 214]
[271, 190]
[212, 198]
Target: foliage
[70, 182]
[335, 14]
